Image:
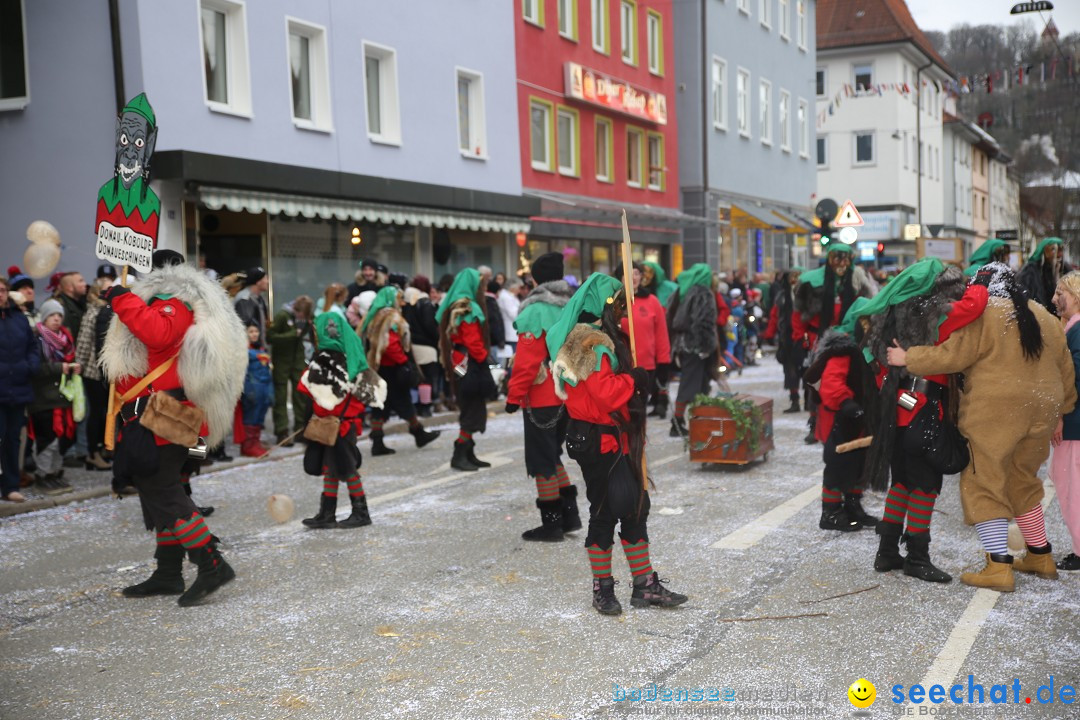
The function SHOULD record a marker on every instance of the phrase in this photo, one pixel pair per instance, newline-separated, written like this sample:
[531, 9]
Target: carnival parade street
[440, 610]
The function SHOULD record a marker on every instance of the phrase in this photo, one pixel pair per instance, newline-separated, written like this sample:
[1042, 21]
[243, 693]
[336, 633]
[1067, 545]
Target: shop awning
[254, 201]
[751, 217]
[792, 223]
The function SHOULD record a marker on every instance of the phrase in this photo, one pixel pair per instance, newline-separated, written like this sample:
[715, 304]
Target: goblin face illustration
[135, 139]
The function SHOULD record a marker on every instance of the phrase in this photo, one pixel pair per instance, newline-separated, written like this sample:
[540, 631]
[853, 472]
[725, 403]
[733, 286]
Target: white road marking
[752, 532]
[664, 461]
[496, 462]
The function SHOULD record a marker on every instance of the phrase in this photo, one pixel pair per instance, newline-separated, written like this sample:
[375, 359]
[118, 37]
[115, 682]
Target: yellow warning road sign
[848, 216]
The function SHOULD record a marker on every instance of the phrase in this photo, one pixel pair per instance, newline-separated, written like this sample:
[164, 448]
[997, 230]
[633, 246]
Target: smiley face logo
[862, 693]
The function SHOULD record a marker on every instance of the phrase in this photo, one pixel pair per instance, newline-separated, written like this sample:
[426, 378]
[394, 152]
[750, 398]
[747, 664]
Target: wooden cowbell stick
[110, 418]
[628, 293]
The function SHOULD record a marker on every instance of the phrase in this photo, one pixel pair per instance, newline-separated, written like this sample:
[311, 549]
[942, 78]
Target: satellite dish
[826, 210]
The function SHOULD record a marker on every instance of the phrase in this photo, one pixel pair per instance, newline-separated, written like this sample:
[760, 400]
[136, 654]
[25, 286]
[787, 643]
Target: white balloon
[281, 508]
[42, 231]
[41, 259]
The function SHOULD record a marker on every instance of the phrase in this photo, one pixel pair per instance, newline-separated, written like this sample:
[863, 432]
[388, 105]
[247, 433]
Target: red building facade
[596, 110]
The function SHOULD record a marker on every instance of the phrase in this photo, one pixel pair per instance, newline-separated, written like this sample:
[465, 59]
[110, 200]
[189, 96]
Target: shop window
[472, 136]
[223, 36]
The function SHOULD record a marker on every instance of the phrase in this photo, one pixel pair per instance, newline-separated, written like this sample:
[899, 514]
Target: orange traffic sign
[848, 216]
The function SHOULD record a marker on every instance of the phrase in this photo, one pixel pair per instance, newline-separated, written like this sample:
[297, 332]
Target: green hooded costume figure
[993, 250]
[660, 284]
[1040, 274]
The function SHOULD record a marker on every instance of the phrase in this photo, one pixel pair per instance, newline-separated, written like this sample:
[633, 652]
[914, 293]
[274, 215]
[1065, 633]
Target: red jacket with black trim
[597, 396]
[353, 417]
[471, 335]
[531, 354]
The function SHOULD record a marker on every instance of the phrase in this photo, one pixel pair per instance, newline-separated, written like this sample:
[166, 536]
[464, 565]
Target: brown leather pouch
[172, 420]
[323, 430]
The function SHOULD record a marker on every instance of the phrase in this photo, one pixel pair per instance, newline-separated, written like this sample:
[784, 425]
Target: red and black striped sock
[547, 488]
[637, 557]
[599, 561]
[680, 409]
[166, 537]
[563, 476]
[830, 499]
[329, 486]
[896, 505]
[356, 488]
[463, 437]
[920, 508]
[193, 532]
[185, 479]
[377, 425]
[414, 422]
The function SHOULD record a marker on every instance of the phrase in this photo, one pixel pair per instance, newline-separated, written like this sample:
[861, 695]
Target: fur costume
[693, 327]
[213, 360]
[577, 358]
[327, 379]
[459, 309]
[838, 344]
[554, 292]
[378, 334]
[810, 301]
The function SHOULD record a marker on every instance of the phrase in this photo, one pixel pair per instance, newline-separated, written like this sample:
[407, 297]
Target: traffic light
[826, 232]
[880, 253]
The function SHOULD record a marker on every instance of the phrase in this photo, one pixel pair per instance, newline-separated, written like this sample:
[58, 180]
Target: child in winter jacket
[258, 394]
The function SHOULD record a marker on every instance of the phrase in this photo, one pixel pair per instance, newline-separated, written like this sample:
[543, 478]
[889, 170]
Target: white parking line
[752, 532]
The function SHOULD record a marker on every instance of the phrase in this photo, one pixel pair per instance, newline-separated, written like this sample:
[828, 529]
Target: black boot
[678, 427]
[551, 520]
[218, 454]
[327, 515]
[571, 520]
[472, 456]
[603, 596]
[167, 579]
[422, 436]
[378, 447]
[648, 590]
[854, 508]
[661, 408]
[213, 573]
[794, 406]
[917, 563]
[460, 461]
[888, 555]
[359, 516]
[206, 511]
[811, 438]
[834, 517]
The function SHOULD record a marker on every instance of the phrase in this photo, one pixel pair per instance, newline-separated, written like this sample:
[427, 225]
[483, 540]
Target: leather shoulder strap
[145, 382]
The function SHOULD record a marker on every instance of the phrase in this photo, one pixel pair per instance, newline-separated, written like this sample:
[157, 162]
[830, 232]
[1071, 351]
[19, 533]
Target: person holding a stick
[605, 398]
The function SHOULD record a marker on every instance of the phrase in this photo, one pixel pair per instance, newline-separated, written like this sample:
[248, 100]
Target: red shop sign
[596, 88]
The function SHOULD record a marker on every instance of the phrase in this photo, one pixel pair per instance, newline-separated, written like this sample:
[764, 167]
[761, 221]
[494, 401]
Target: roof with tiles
[852, 23]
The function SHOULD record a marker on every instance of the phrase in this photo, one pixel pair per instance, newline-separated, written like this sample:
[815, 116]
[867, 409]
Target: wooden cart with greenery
[730, 429]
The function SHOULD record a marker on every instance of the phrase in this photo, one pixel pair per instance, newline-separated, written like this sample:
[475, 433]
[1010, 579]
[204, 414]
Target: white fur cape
[213, 358]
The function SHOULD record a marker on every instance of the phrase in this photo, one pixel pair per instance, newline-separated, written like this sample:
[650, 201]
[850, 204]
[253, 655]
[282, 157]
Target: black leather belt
[134, 409]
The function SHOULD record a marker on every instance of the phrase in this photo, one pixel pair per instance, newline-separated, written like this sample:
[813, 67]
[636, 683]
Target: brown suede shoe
[997, 575]
[1038, 564]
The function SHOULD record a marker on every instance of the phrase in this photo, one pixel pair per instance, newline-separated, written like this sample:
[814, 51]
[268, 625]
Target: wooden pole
[628, 292]
[110, 418]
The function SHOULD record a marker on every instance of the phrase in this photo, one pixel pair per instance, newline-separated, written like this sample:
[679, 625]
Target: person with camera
[389, 348]
[178, 356]
[605, 396]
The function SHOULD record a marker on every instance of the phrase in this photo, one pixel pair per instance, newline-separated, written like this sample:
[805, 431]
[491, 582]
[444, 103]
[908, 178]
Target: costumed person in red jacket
[693, 320]
[845, 383]
[650, 327]
[389, 350]
[531, 387]
[605, 398]
[340, 384]
[464, 350]
[822, 298]
[175, 332]
[909, 310]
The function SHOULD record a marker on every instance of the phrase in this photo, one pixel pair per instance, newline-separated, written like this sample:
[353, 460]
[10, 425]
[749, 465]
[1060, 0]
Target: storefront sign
[944, 249]
[881, 226]
[619, 96]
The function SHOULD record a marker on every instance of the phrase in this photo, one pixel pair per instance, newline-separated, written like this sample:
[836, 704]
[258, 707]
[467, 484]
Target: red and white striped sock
[1033, 527]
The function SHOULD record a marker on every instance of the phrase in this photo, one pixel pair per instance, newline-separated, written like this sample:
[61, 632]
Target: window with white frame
[600, 24]
[309, 75]
[820, 82]
[803, 32]
[804, 129]
[568, 18]
[864, 148]
[765, 111]
[785, 121]
[14, 66]
[742, 102]
[628, 30]
[863, 74]
[903, 141]
[654, 34]
[381, 94]
[719, 93]
[540, 134]
[785, 19]
[744, 7]
[656, 161]
[822, 151]
[533, 11]
[765, 12]
[566, 142]
[223, 33]
[603, 146]
[635, 140]
[472, 133]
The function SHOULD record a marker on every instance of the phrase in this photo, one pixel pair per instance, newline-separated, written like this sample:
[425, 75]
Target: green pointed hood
[465, 285]
[983, 255]
[141, 106]
[334, 334]
[664, 287]
[697, 274]
[1037, 255]
[854, 312]
[593, 295]
[816, 277]
[386, 297]
[915, 280]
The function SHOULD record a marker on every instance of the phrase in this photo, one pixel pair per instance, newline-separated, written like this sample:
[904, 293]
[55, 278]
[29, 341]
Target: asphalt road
[440, 610]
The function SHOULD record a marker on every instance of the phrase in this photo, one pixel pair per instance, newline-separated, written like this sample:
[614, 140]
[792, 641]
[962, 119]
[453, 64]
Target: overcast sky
[944, 14]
